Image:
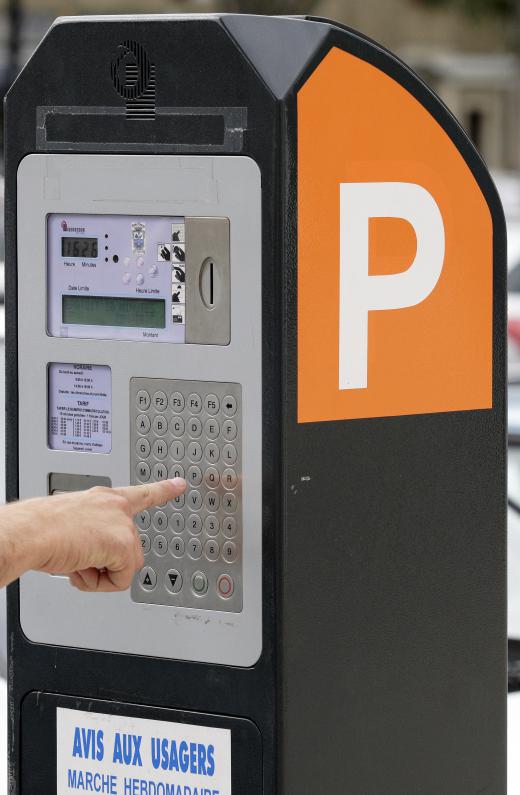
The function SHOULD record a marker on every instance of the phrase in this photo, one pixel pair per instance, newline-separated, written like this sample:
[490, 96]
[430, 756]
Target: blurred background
[468, 51]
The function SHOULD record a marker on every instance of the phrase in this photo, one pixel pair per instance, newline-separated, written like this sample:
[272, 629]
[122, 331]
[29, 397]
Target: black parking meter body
[335, 618]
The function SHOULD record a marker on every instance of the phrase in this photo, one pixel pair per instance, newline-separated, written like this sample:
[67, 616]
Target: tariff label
[121, 755]
[80, 408]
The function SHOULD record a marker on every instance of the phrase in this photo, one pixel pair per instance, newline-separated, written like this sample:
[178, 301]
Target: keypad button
[229, 430]
[194, 476]
[194, 403]
[199, 583]
[143, 423]
[142, 470]
[173, 581]
[229, 552]
[176, 471]
[160, 545]
[212, 429]
[177, 426]
[212, 550]
[177, 450]
[212, 453]
[178, 501]
[142, 400]
[194, 548]
[160, 449]
[229, 479]
[194, 452]
[145, 543]
[211, 477]
[194, 427]
[160, 401]
[160, 472]
[176, 522]
[177, 402]
[212, 501]
[229, 527]
[142, 520]
[211, 525]
[147, 578]
[225, 586]
[229, 406]
[142, 448]
[160, 521]
[229, 503]
[194, 500]
[160, 425]
[211, 404]
[229, 454]
[194, 524]
[177, 547]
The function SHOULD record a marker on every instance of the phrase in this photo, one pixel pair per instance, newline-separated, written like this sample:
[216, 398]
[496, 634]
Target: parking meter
[260, 254]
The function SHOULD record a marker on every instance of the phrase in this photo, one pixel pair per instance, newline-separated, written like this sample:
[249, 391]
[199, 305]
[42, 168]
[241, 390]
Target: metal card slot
[208, 288]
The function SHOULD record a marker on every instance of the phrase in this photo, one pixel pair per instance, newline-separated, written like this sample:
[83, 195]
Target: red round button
[225, 586]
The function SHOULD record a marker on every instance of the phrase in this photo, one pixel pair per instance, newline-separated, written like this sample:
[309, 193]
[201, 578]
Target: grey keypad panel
[193, 545]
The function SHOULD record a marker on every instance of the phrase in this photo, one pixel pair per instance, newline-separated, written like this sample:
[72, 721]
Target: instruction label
[120, 755]
[80, 408]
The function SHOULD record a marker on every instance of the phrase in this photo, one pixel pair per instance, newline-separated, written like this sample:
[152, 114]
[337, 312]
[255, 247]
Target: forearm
[23, 538]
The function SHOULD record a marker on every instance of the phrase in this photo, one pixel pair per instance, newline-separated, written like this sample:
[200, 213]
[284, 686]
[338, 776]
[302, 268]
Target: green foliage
[478, 8]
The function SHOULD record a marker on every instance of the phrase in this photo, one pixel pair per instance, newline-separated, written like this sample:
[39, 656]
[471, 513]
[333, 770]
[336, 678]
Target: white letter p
[360, 293]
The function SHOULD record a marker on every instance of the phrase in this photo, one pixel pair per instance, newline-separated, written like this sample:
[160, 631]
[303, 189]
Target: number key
[177, 547]
[160, 545]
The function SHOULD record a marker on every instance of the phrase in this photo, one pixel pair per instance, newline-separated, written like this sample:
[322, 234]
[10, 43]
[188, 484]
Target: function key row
[177, 522]
[179, 427]
[193, 402]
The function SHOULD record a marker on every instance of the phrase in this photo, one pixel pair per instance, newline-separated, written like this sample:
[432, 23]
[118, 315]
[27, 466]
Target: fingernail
[179, 482]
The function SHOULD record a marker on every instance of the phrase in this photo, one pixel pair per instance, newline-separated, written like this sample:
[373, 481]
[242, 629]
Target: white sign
[80, 407]
[119, 755]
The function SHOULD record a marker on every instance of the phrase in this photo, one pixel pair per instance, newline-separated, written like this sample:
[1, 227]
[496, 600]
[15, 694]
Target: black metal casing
[384, 655]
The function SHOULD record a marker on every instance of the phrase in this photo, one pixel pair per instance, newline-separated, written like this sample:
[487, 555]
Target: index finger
[147, 496]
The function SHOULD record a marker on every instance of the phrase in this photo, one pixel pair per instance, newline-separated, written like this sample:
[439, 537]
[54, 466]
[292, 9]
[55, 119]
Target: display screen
[94, 310]
[79, 247]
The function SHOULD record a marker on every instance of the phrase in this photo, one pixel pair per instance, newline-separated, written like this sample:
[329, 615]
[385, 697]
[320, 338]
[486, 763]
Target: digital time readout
[86, 247]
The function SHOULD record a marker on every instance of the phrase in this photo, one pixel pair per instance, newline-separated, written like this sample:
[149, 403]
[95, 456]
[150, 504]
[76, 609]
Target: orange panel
[358, 125]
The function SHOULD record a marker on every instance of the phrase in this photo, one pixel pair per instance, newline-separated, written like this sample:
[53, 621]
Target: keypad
[192, 545]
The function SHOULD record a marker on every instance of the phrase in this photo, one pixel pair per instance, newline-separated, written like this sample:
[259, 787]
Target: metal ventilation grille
[134, 79]
[142, 107]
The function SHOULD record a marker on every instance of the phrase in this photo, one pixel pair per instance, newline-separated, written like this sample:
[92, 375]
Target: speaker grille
[133, 76]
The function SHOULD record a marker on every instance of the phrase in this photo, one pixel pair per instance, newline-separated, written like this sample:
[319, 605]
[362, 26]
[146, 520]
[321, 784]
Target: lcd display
[93, 310]
[79, 247]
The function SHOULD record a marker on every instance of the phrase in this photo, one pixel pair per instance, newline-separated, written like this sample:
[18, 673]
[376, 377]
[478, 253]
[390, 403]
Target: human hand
[90, 535]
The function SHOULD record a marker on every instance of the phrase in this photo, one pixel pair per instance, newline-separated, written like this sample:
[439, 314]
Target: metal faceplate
[51, 611]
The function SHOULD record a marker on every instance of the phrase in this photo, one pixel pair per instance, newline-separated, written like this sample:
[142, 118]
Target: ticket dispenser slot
[60, 483]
